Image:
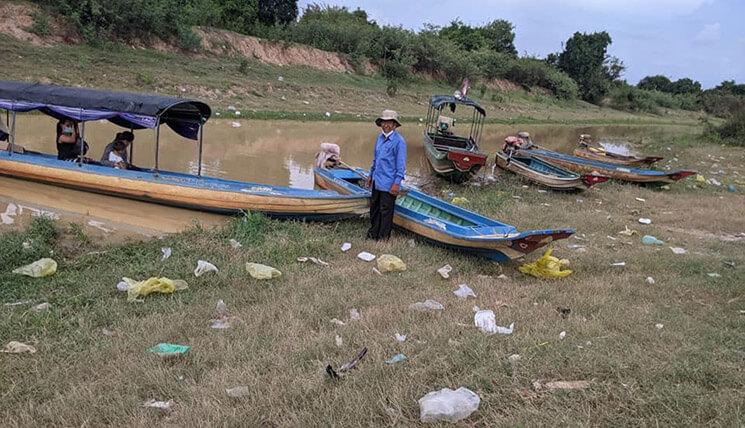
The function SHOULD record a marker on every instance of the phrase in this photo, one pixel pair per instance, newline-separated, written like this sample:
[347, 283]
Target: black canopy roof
[181, 114]
[438, 101]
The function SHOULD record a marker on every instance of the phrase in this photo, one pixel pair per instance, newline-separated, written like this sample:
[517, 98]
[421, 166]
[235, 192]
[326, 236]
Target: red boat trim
[464, 161]
[681, 175]
[593, 179]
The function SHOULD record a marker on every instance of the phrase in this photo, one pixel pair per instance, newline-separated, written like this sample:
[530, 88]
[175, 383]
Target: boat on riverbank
[444, 223]
[546, 174]
[454, 157]
[588, 150]
[138, 111]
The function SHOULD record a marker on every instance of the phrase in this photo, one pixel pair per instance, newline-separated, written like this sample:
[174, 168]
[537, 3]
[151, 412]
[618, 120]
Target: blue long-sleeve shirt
[389, 164]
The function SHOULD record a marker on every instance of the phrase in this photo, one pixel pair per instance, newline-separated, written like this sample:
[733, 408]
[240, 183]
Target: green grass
[687, 373]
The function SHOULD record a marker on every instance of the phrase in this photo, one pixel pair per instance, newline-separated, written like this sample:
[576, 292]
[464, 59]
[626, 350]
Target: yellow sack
[547, 267]
[700, 179]
[38, 269]
[390, 263]
[260, 271]
[152, 285]
[459, 200]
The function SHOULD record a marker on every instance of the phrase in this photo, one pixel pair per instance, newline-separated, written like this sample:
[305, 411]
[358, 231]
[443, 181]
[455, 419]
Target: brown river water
[270, 152]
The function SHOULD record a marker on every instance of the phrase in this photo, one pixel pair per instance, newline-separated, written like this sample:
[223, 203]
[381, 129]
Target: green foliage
[733, 130]
[273, 12]
[655, 83]
[532, 72]
[40, 237]
[42, 25]
[663, 84]
[585, 60]
[724, 100]
[497, 36]
[632, 98]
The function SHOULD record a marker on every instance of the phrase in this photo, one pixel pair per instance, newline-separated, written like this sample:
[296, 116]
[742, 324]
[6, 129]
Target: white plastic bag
[204, 267]
[487, 323]
[427, 305]
[464, 291]
[448, 405]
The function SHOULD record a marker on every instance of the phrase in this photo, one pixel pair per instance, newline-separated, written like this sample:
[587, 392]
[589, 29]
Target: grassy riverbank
[686, 373]
[266, 92]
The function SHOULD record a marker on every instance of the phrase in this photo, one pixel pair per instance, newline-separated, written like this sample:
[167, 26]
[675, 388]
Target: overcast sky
[700, 39]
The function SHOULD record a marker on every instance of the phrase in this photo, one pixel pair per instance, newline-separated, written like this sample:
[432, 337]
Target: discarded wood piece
[346, 367]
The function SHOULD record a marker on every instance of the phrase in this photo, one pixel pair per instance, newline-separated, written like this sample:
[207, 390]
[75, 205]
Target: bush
[733, 131]
[531, 72]
[632, 98]
[42, 26]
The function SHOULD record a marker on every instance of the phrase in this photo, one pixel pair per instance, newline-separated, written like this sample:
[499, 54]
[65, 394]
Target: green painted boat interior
[424, 208]
[544, 167]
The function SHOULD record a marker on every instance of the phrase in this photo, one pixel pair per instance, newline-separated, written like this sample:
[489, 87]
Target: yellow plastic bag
[260, 271]
[152, 285]
[38, 269]
[700, 179]
[459, 200]
[390, 263]
[547, 266]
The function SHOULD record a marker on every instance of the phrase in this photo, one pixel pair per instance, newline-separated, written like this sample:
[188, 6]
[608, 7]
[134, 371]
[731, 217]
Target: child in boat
[69, 143]
[118, 154]
[126, 138]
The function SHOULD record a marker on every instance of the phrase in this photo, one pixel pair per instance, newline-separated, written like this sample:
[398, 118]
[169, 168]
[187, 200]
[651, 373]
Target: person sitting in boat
[329, 156]
[511, 144]
[117, 155]
[585, 140]
[126, 138]
[69, 144]
[4, 133]
[525, 141]
[445, 125]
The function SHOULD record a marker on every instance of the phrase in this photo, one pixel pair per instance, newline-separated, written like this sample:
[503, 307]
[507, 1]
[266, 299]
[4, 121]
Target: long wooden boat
[453, 157]
[599, 154]
[546, 174]
[617, 172]
[136, 111]
[447, 224]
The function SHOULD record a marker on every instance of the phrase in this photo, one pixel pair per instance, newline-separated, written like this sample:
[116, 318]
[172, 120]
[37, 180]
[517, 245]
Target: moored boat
[617, 172]
[541, 172]
[588, 150]
[454, 157]
[136, 111]
[444, 223]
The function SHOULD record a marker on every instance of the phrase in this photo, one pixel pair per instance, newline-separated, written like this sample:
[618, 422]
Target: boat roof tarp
[129, 110]
[438, 101]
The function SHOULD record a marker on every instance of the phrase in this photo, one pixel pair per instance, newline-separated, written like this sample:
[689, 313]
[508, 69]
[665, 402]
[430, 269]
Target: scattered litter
[235, 244]
[713, 275]
[390, 263]
[222, 319]
[99, 225]
[400, 337]
[163, 285]
[396, 359]
[448, 405]
[564, 312]
[237, 392]
[337, 322]
[237, 113]
[10, 211]
[562, 335]
[376, 271]
[366, 256]
[339, 342]
[328, 114]
[731, 188]
[577, 247]
[618, 264]
[19, 303]
[166, 253]
[412, 243]
[14, 347]
[280, 78]
[204, 267]
[514, 358]
[354, 315]
[259, 271]
[678, 250]
[109, 332]
[459, 200]
[643, 220]
[26, 245]
[486, 322]
[346, 247]
[464, 291]
[445, 271]
[312, 259]
[235, 124]
[650, 280]
[41, 307]
[231, 108]
[122, 286]
[169, 350]
[164, 406]
[346, 367]
[38, 269]
[626, 231]
[547, 267]
[611, 238]
[561, 385]
[426, 306]
[503, 276]
[651, 240]
[641, 199]
[659, 326]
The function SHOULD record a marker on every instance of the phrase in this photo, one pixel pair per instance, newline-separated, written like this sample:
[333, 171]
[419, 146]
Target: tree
[585, 60]
[500, 36]
[685, 86]
[467, 37]
[281, 12]
[655, 83]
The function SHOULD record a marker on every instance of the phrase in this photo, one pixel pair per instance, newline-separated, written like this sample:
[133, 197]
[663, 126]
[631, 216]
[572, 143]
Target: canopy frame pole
[131, 149]
[82, 140]
[12, 133]
[157, 144]
[201, 135]
[7, 118]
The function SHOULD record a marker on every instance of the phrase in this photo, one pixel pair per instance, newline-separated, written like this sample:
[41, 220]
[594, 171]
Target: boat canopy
[438, 101]
[129, 110]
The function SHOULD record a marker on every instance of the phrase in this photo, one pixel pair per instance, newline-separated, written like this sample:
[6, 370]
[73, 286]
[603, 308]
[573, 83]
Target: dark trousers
[381, 214]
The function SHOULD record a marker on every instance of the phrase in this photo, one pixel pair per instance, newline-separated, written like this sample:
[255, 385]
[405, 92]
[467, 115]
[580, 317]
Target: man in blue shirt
[387, 171]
